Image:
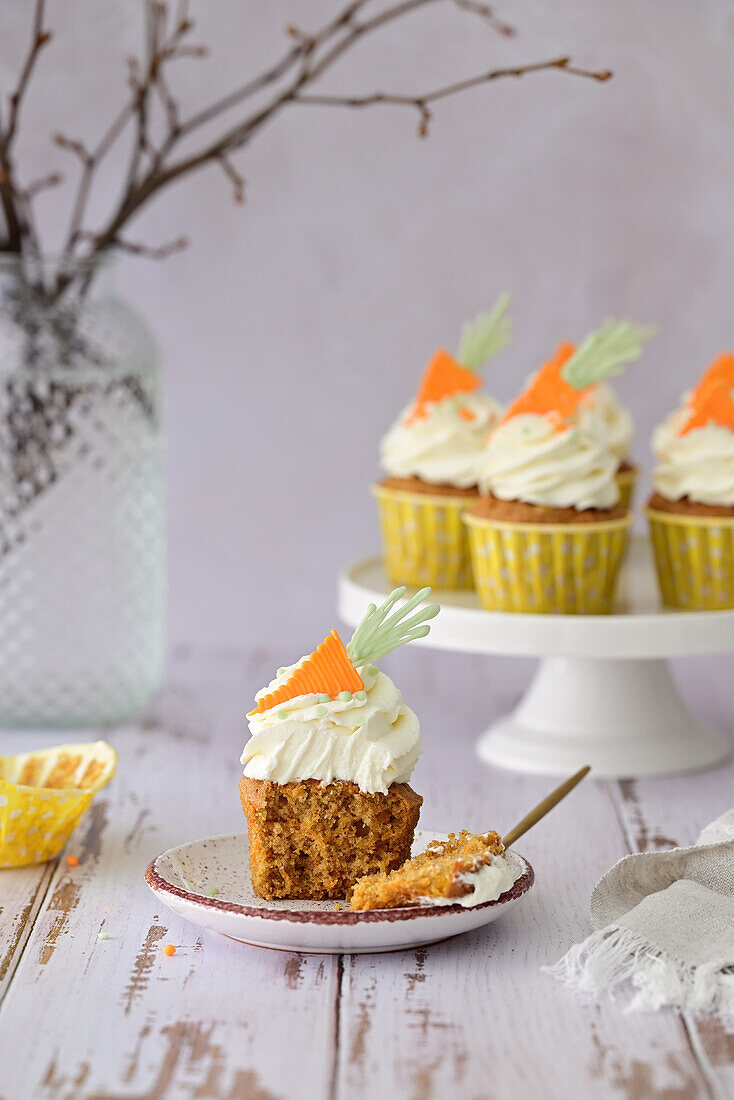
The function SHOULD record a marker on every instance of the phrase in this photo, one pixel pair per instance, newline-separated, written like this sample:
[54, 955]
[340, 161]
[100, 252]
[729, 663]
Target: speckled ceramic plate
[185, 877]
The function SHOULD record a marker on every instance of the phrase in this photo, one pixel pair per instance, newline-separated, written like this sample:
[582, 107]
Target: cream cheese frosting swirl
[370, 738]
[489, 883]
[602, 415]
[698, 465]
[527, 458]
[443, 447]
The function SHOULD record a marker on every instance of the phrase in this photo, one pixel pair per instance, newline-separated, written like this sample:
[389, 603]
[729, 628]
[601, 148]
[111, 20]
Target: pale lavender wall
[294, 327]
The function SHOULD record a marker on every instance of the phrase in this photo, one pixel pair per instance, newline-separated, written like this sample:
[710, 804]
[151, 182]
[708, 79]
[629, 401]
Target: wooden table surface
[84, 1019]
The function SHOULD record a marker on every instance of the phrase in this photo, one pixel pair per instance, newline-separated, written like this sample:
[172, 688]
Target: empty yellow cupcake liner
[424, 539]
[626, 482]
[694, 558]
[544, 568]
[45, 794]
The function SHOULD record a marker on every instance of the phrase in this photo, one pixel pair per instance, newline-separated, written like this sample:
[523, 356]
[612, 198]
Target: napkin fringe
[609, 958]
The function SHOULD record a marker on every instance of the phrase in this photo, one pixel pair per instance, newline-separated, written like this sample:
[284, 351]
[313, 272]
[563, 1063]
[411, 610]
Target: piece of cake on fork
[332, 747]
[468, 870]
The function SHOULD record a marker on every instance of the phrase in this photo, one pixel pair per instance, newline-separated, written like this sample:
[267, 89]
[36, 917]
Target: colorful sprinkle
[282, 714]
[103, 935]
[213, 892]
[322, 711]
[344, 696]
[323, 698]
[361, 695]
[72, 861]
[169, 949]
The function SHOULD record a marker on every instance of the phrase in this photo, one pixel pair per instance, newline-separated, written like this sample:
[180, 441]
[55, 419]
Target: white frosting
[698, 465]
[373, 742]
[665, 433]
[602, 416]
[489, 882]
[441, 447]
[528, 459]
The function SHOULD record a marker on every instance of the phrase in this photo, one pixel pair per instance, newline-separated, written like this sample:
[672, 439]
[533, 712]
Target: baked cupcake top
[694, 446]
[440, 435]
[334, 715]
[542, 452]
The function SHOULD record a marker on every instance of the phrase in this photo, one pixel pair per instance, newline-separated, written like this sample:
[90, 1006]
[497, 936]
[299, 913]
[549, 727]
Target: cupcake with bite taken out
[549, 532]
[430, 457]
[332, 747]
[691, 511]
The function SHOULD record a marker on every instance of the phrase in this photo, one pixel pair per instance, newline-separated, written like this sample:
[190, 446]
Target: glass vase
[81, 499]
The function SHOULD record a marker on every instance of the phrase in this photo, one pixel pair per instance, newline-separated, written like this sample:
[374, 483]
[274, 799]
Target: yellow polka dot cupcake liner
[424, 540]
[45, 794]
[544, 568]
[694, 558]
[626, 483]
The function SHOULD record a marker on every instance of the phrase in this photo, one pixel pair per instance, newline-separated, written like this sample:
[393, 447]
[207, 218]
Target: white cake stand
[602, 694]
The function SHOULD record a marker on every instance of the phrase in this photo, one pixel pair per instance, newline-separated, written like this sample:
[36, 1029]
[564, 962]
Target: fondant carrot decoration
[378, 635]
[548, 394]
[328, 671]
[332, 667]
[561, 384]
[448, 376]
[712, 401]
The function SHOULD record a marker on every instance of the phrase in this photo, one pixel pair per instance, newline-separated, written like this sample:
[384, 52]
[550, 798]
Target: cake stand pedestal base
[623, 717]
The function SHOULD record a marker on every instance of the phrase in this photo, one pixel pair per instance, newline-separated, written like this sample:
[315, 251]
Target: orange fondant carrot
[721, 370]
[549, 394]
[711, 400]
[327, 671]
[713, 405]
[443, 377]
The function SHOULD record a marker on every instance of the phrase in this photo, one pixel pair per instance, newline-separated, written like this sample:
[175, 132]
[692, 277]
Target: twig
[420, 102]
[39, 39]
[53, 179]
[485, 12]
[16, 225]
[153, 166]
[238, 184]
[161, 252]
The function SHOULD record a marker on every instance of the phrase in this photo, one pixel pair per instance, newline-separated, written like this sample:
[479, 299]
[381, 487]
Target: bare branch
[238, 183]
[161, 252]
[152, 166]
[420, 102]
[485, 12]
[39, 39]
[73, 145]
[305, 44]
[15, 224]
[53, 179]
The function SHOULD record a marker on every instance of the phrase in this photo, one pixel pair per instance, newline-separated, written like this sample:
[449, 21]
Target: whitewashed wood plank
[120, 1019]
[475, 1016]
[22, 891]
[661, 813]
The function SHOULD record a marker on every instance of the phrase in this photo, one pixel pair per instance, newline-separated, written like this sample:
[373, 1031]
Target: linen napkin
[664, 924]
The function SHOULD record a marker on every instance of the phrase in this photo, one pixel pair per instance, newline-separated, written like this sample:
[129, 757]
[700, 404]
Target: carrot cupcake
[332, 749]
[603, 415]
[549, 533]
[430, 458]
[691, 511]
